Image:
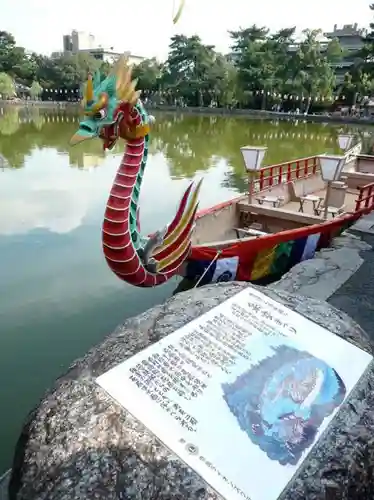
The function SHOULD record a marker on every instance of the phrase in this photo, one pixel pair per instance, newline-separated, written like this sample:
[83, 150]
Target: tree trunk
[263, 102]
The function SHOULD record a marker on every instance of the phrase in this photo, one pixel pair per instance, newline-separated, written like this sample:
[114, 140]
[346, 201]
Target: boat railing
[286, 172]
[365, 196]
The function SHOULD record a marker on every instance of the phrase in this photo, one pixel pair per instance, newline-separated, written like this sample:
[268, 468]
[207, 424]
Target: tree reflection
[189, 143]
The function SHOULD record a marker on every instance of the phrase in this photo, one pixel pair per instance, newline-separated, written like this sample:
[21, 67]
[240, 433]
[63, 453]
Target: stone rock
[79, 444]
[329, 270]
[349, 240]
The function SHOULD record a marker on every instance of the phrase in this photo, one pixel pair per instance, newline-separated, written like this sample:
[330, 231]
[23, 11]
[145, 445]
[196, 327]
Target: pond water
[57, 295]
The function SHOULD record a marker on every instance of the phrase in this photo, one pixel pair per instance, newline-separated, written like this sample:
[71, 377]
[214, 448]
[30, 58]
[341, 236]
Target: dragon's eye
[100, 115]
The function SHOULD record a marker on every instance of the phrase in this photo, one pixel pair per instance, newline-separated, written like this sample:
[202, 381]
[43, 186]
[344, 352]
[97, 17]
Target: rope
[207, 269]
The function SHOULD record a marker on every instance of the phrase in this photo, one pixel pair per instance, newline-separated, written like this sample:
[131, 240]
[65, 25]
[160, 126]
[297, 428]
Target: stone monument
[79, 443]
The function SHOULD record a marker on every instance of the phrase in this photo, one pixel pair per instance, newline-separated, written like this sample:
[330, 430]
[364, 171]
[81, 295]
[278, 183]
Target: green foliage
[148, 73]
[38, 71]
[261, 68]
[272, 65]
[359, 81]
[6, 85]
[196, 74]
[35, 89]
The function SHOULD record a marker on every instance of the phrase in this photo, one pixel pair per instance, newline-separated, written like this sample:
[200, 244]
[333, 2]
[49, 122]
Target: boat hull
[264, 259]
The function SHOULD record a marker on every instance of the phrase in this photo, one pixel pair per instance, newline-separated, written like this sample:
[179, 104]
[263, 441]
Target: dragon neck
[134, 226]
[121, 214]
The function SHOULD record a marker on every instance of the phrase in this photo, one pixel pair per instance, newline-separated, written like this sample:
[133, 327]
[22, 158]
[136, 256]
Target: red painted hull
[248, 254]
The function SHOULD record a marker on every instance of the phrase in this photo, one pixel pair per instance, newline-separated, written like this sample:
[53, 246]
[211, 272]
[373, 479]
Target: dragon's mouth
[84, 133]
[86, 128]
[108, 136]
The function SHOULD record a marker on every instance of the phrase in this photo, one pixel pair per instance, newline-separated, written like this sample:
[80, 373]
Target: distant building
[82, 42]
[78, 40]
[351, 39]
[67, 43]
[110, 56]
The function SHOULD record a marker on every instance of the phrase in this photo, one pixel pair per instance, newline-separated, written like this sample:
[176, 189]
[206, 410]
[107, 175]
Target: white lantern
[253, 157]
[331, 167]
[345, 141]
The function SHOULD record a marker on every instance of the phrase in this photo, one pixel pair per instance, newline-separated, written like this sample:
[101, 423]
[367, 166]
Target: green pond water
[57, 295]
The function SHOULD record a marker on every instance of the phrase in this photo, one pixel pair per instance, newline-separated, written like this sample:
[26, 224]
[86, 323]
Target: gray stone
[4, 482]
[79, 444]
[365, 224]
[329, 270]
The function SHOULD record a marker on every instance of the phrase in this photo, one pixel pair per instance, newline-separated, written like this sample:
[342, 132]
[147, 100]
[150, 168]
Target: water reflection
[53, 197]
[189, 144]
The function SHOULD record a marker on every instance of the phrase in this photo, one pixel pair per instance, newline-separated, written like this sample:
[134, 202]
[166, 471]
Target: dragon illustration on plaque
[281, 402]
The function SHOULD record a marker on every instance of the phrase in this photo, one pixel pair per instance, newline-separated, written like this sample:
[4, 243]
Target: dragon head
[107, 106]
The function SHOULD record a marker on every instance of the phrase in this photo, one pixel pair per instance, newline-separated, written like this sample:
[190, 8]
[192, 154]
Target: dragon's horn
[96, 79]
[128, 90]
[89, 90]
[134, 99]
[120, 66]
[123, 77]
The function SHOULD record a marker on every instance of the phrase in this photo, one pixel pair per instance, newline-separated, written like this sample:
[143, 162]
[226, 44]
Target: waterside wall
[237, 113]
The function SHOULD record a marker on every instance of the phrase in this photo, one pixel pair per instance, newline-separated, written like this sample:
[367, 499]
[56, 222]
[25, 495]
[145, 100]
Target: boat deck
[223, 229]
[349, 202]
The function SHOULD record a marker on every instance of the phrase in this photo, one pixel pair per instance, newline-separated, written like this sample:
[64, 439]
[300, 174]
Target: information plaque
[242, 393]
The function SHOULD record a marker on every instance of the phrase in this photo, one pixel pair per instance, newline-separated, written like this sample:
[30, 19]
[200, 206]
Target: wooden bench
[331, 210]
[249, 232]
[302, 188]
[315, 200]
[279, 213]
[273, 200]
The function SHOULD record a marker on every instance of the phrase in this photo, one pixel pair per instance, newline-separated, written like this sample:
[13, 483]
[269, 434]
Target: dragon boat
[256, 237]
[262, 238]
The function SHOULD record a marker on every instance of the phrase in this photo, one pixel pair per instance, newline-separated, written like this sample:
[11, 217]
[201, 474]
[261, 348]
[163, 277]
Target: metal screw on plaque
[192, 449]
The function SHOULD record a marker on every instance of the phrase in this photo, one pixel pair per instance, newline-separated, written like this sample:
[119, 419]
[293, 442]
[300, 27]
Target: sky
[145, 27]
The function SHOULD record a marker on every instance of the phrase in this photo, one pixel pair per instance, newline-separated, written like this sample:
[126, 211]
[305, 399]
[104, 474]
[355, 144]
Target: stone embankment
[80, 444]
[246, 113]
[328, 271]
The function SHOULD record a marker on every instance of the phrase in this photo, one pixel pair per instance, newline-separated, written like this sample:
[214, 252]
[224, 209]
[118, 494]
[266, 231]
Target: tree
[12, 58]
[312, 72]
[253, 55]
[260, 69]
[6, 85]
[35, 89]
[148, 73]
[222, 80]
[187, 69]
[244, 37]
[363, 70]
[280, 44]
